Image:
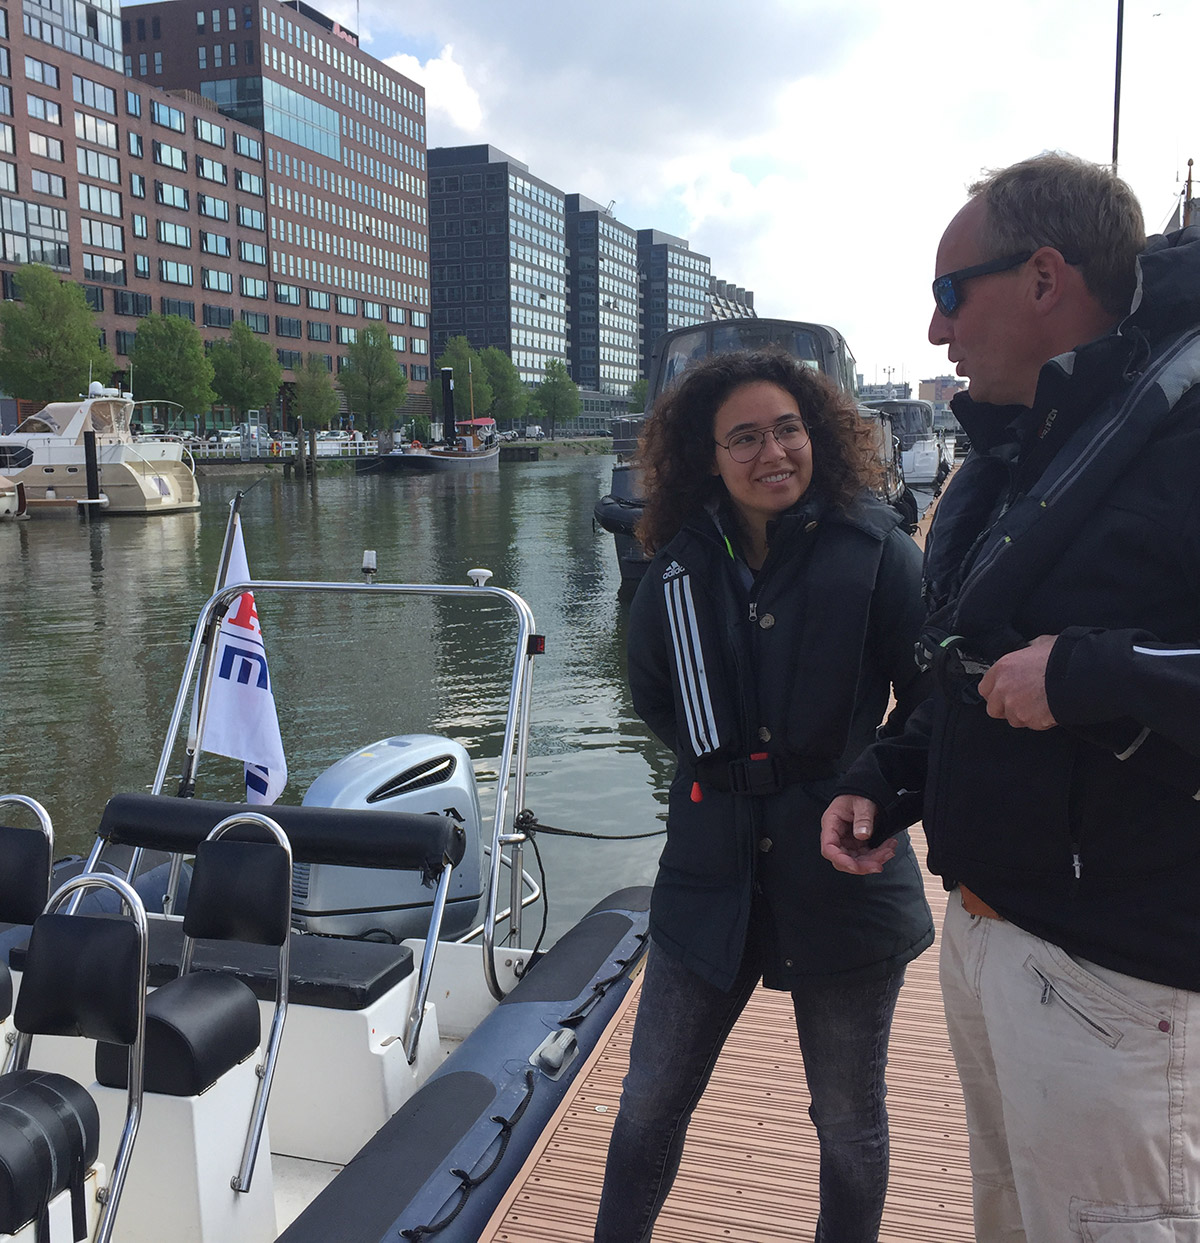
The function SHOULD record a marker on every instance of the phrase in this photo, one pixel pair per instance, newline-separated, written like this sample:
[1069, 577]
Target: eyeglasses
[746, 446]
[947, 291]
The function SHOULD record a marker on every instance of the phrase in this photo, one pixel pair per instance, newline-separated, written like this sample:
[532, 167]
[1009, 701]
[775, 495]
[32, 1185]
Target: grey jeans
[1082, 1090]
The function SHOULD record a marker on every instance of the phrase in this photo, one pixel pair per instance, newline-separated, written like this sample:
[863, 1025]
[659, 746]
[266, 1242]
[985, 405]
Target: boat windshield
[910, 418]
[739, 334]
[38, 425]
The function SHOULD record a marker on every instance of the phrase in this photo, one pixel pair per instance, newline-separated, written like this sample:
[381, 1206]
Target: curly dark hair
[677, 451]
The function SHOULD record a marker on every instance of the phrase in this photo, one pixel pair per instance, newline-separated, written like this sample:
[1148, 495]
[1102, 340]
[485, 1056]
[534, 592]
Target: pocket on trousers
[1124, 1223]
[1098, 1007]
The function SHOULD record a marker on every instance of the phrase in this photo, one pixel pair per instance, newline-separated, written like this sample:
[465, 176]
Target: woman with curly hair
[779, 611]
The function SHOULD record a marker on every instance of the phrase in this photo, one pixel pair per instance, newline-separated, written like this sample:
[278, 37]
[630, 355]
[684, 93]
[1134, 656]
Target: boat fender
[556, 1053]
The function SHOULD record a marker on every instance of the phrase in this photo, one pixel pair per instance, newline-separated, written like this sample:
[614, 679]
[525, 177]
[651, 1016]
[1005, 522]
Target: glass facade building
[498, 257]
[674, 283]
[602, 317]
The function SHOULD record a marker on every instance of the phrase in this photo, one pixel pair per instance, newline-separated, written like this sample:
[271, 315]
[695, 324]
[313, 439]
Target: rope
[467, 1184]
[527, 822]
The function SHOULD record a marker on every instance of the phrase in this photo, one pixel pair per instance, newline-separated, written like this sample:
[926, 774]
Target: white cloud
[815, 149]
[449, 95]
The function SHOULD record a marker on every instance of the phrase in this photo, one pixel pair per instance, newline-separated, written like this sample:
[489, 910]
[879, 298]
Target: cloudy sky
[815, 149]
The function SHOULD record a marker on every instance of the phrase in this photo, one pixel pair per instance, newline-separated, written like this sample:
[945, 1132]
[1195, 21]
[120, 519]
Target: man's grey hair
[1084, 210]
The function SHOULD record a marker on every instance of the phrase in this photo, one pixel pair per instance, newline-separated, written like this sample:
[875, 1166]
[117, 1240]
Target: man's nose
[939, 328]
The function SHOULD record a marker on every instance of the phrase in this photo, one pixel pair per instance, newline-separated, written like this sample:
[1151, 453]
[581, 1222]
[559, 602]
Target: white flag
[242, 722]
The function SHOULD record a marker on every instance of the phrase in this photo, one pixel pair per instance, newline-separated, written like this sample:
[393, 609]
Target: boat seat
[325, 971]
[202, 1024]
[26, 857]
[84, 975]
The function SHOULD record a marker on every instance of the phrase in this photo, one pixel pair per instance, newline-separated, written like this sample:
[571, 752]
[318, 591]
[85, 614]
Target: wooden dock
[749, 1170]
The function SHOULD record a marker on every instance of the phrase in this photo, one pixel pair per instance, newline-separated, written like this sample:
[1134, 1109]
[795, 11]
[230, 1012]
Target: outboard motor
[411, 773]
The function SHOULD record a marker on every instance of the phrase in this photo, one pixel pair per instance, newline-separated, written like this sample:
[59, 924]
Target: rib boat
[325, 1026]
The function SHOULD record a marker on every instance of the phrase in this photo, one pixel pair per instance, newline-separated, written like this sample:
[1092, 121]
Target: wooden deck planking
[749, 1171]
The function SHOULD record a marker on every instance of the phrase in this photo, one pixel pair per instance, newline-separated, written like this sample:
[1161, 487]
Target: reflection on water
[95, 622]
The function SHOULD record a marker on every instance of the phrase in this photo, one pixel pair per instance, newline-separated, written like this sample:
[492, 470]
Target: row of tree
[49, 350]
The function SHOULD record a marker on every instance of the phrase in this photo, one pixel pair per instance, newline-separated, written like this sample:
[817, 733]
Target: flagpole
[187, 779]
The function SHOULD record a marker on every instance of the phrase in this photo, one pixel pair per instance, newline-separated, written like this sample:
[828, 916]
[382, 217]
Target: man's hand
[1014, 688]
[846, 828]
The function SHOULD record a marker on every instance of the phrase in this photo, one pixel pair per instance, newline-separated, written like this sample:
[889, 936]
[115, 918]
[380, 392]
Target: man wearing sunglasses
[1057, 766]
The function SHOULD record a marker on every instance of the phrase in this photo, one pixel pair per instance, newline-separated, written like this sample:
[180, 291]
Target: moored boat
[474, 446]
[424, 1048]
[72, 455]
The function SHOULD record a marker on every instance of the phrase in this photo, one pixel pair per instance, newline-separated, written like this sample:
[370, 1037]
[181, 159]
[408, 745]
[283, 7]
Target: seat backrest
[84, 976]
[240, 891]
[26, 857]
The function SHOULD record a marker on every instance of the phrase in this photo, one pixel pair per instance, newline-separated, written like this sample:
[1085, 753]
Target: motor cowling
[412, 773]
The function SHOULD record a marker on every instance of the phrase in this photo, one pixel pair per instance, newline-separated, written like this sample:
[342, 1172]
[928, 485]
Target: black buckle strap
[957, 673]
[763, 773]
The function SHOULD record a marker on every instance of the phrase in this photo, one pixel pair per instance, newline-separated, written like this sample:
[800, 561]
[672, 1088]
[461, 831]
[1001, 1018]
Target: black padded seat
[329, 972]
[196, 1030]
[49, 1138]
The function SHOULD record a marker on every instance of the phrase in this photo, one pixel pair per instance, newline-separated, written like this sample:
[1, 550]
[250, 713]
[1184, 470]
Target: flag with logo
[241, 721]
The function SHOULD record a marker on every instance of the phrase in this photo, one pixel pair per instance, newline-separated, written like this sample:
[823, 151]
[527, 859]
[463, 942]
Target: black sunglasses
[947, 291]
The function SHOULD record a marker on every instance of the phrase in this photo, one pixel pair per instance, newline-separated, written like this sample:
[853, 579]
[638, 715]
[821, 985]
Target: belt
[975, 905]
[762, 773]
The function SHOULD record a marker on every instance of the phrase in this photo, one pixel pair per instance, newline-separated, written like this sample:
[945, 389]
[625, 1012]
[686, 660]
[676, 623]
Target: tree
[557, 397]
[168, 362]
[49, 343]
[471, 383]
[315, 400]
[246, 374]
[637, 395]
[372, 380]
[510, 398]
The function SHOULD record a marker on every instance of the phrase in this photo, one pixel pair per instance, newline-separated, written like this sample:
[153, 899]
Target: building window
[202, 57]
[251, 148]
[47, 148]
[158, 62]
[289, 359]
[135, 144]
[40, 71]
[141, 267]
[220, 282]
[126, 302]
[141, 226]
[179, 307]
[214, 244]
[318, 300]
[286, 326]
[251, 218]
[211, 170]
[137, 185]
[252, 252]
[347, 306]
[318, 331]
[251, 183]
[209, 132]
[216, 209]
[257, 321]
[253, 287]
[133, 103]
[170, 195]
[172, 273]
[346, 335]
[125, 342]
[218, 316]
[43, 109]
[169, 156]
[172, 234]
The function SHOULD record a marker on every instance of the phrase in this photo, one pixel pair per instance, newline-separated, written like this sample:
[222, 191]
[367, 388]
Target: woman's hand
[846, 829]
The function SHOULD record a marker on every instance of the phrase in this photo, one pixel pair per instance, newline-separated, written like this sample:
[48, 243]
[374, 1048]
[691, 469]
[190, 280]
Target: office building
[602, 311]
[343, 165]
[498, 257]
[674, 287]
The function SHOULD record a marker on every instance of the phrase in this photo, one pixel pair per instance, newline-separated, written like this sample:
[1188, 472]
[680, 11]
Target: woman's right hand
[846, 829]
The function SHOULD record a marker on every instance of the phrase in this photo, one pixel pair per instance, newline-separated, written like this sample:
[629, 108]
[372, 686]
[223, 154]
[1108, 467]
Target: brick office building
[286, 190]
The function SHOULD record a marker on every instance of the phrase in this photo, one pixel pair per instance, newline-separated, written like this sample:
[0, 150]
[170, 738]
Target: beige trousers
[1082, 1089]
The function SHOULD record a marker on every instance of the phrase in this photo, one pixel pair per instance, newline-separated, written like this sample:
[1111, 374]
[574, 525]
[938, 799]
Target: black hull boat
[346, 1038]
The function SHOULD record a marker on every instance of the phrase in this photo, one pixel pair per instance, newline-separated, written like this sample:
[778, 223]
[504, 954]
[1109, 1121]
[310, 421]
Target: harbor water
[95, 621]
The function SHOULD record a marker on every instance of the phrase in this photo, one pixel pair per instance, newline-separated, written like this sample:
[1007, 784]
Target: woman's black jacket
[766, 689]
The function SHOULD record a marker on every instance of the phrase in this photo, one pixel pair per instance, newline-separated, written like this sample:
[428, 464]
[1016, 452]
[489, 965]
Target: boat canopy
[480, 422]
[104, 415]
